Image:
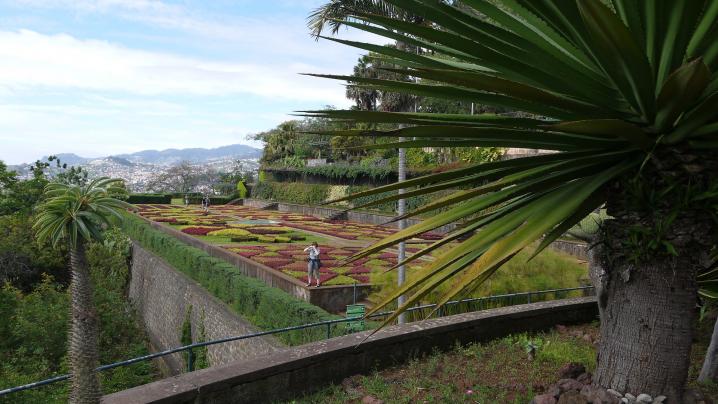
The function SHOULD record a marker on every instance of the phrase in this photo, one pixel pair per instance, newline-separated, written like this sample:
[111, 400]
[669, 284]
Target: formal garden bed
[513, 369]
[277, 239]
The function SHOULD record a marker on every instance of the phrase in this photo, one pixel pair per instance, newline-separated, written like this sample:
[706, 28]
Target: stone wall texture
[163, 295]
[310, 367]
[578, 249]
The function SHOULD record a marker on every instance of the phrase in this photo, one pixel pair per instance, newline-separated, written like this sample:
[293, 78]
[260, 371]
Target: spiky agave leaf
[604, 86]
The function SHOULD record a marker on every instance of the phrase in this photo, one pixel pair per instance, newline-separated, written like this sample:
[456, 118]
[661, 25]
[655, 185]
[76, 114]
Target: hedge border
[265, 307]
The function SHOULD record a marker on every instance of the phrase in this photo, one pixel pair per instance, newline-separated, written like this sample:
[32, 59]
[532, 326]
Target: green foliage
[241, 190]
[200, 360]
[73, 213]
[548, 270]
[264, 306]
[294, 192]
[150, 198]
[22, 260]
[33, 333]
[18, 196]
[587, 80]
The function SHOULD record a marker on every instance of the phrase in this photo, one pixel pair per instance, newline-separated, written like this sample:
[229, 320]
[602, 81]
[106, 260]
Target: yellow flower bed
[229, 233]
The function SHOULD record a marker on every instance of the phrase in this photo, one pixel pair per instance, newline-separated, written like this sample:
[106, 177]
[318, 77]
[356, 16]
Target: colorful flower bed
[267, 236]
[292, 260]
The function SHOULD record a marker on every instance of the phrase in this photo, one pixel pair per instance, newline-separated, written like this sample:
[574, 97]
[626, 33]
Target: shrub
[229, 233]
[241, 190]
[292, 192]
[265, 307]
[150, 198]
[240, 239]
[198, 231]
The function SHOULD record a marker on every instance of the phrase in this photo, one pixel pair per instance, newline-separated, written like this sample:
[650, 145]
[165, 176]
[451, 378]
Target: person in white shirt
[313, 263]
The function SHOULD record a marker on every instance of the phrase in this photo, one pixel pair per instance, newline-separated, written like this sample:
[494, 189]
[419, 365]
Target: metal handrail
[189, 348]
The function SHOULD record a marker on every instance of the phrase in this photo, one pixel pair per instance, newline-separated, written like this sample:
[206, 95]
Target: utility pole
[401, 209]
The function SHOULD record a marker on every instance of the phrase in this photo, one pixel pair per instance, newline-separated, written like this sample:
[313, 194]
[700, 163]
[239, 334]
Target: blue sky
[102, 77]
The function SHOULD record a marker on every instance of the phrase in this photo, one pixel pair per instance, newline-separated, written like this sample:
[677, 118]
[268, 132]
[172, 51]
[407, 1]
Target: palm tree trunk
[647, 327]
[84, 332]
[709, 371]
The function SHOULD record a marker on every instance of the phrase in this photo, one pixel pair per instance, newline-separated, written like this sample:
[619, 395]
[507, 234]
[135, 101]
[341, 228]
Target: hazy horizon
[98, 77]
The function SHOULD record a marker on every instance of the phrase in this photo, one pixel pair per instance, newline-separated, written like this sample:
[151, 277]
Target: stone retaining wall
[577, 249]
[163, 296]
[310, 367]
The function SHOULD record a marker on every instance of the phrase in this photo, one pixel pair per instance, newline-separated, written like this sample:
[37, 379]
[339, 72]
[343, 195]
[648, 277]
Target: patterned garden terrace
[277, 239]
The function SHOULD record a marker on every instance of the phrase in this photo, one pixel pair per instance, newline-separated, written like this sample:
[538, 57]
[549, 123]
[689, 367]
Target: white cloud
[31, 59]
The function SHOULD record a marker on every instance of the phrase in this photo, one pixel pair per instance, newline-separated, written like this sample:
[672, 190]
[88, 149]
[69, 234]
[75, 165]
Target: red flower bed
[295, 266]
[359, 270]
[360, 278]
[248, 254]
[390, 256]
[323, 277]
[166, 220]
[275, 263]
[198, 231]
[287, 253]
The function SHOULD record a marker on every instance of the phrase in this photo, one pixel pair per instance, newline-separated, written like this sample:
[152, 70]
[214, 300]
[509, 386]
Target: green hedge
[213, 200]
[293, 192]
[150, 198]
[266, 307]
[316, 194]
[338, 171]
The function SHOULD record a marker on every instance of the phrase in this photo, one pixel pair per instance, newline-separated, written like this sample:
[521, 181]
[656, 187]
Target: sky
[104, 77]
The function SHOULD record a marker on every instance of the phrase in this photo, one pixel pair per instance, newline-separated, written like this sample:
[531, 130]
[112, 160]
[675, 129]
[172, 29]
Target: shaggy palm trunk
[651, 254]
[647, 328]
[709, 371]
[83, 352]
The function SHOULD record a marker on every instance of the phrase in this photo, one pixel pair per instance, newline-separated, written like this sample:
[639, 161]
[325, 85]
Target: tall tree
[627, 95]
[74, 215]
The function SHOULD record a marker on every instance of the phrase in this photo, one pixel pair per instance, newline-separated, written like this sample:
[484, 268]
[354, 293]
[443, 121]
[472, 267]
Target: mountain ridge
[169, 156]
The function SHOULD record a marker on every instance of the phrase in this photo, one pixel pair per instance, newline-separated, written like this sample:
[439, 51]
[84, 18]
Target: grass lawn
[495, 372]
[548, 270]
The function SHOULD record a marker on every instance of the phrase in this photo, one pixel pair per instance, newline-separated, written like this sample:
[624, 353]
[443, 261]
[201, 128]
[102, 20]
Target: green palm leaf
[599, 85]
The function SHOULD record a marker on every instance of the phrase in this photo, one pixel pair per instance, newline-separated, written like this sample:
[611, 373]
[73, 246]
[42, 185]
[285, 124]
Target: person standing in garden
[313, 263]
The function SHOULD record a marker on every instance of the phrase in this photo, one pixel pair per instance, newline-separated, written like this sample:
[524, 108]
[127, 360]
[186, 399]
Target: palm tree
[626, 95]
[75, 215]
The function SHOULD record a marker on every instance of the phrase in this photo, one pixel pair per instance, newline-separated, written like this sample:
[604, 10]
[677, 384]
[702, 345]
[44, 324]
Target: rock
[569, 385]
[692, 397]
[615, 393]
[644, 399]
[597, 395]
[659, 400]
[350, 387]
[587, 338]
[571, 370]
[371, 400]
[584, 378]
[544, 399]
[572, 397]
[630, 397]
[554, 391]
